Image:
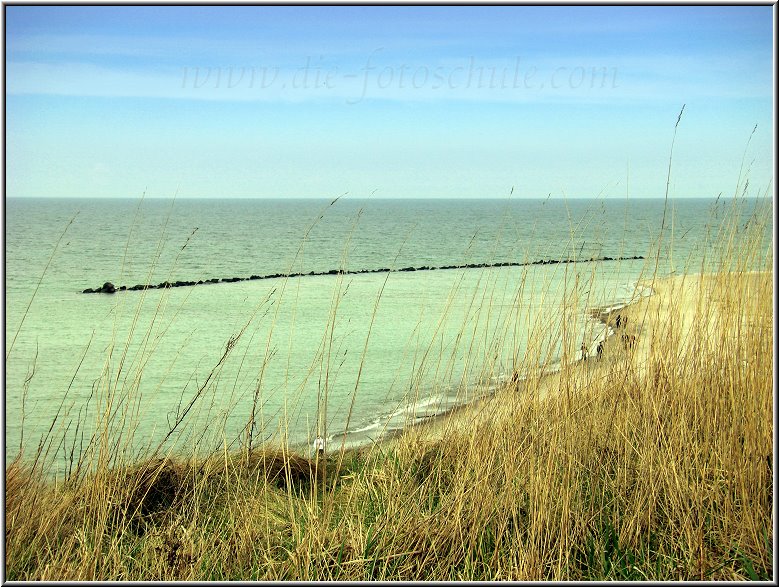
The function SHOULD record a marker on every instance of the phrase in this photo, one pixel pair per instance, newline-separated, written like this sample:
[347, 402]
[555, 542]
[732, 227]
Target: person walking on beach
[599, 350]
[319, 446]
[585, 352]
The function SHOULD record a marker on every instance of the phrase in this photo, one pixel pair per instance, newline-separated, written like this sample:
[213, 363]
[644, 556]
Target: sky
[387, 101]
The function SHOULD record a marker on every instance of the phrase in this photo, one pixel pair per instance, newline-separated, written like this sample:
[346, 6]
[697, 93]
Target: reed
[651, 462]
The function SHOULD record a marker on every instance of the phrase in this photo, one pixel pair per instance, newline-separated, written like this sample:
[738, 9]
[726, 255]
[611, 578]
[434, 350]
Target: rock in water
[108, 287]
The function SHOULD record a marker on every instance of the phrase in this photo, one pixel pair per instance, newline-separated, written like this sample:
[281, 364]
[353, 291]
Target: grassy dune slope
[651, 462]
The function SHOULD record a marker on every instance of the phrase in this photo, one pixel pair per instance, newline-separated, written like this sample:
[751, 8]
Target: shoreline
[434, 427]
[646, 315]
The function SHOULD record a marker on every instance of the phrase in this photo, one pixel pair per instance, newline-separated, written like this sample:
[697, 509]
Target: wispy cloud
[479, 91]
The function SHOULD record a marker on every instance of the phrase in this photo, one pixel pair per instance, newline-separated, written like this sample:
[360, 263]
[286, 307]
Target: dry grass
[654, 462]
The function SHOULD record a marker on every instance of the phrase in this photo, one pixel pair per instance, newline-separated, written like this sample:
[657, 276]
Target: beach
[685, 304]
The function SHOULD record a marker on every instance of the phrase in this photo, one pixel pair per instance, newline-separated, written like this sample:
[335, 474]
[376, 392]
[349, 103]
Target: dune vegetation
[652, 461]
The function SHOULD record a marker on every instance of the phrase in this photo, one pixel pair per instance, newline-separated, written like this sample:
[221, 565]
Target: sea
[348, 319]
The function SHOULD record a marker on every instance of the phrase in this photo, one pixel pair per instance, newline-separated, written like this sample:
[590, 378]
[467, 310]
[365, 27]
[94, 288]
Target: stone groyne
[110, 288]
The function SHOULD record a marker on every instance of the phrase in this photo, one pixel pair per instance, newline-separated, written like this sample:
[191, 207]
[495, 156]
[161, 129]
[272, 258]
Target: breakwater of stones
[110, 288]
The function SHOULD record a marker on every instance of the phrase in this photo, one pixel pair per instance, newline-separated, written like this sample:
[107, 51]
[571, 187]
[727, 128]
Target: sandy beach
[678, 304]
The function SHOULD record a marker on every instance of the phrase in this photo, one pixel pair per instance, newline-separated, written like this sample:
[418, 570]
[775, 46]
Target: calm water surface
[354, 354]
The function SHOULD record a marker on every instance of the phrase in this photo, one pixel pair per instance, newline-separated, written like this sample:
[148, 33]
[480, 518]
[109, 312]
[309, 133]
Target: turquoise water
[347, 356]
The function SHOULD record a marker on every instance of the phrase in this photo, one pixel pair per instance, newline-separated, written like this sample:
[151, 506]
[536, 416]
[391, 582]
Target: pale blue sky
[303, 101]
